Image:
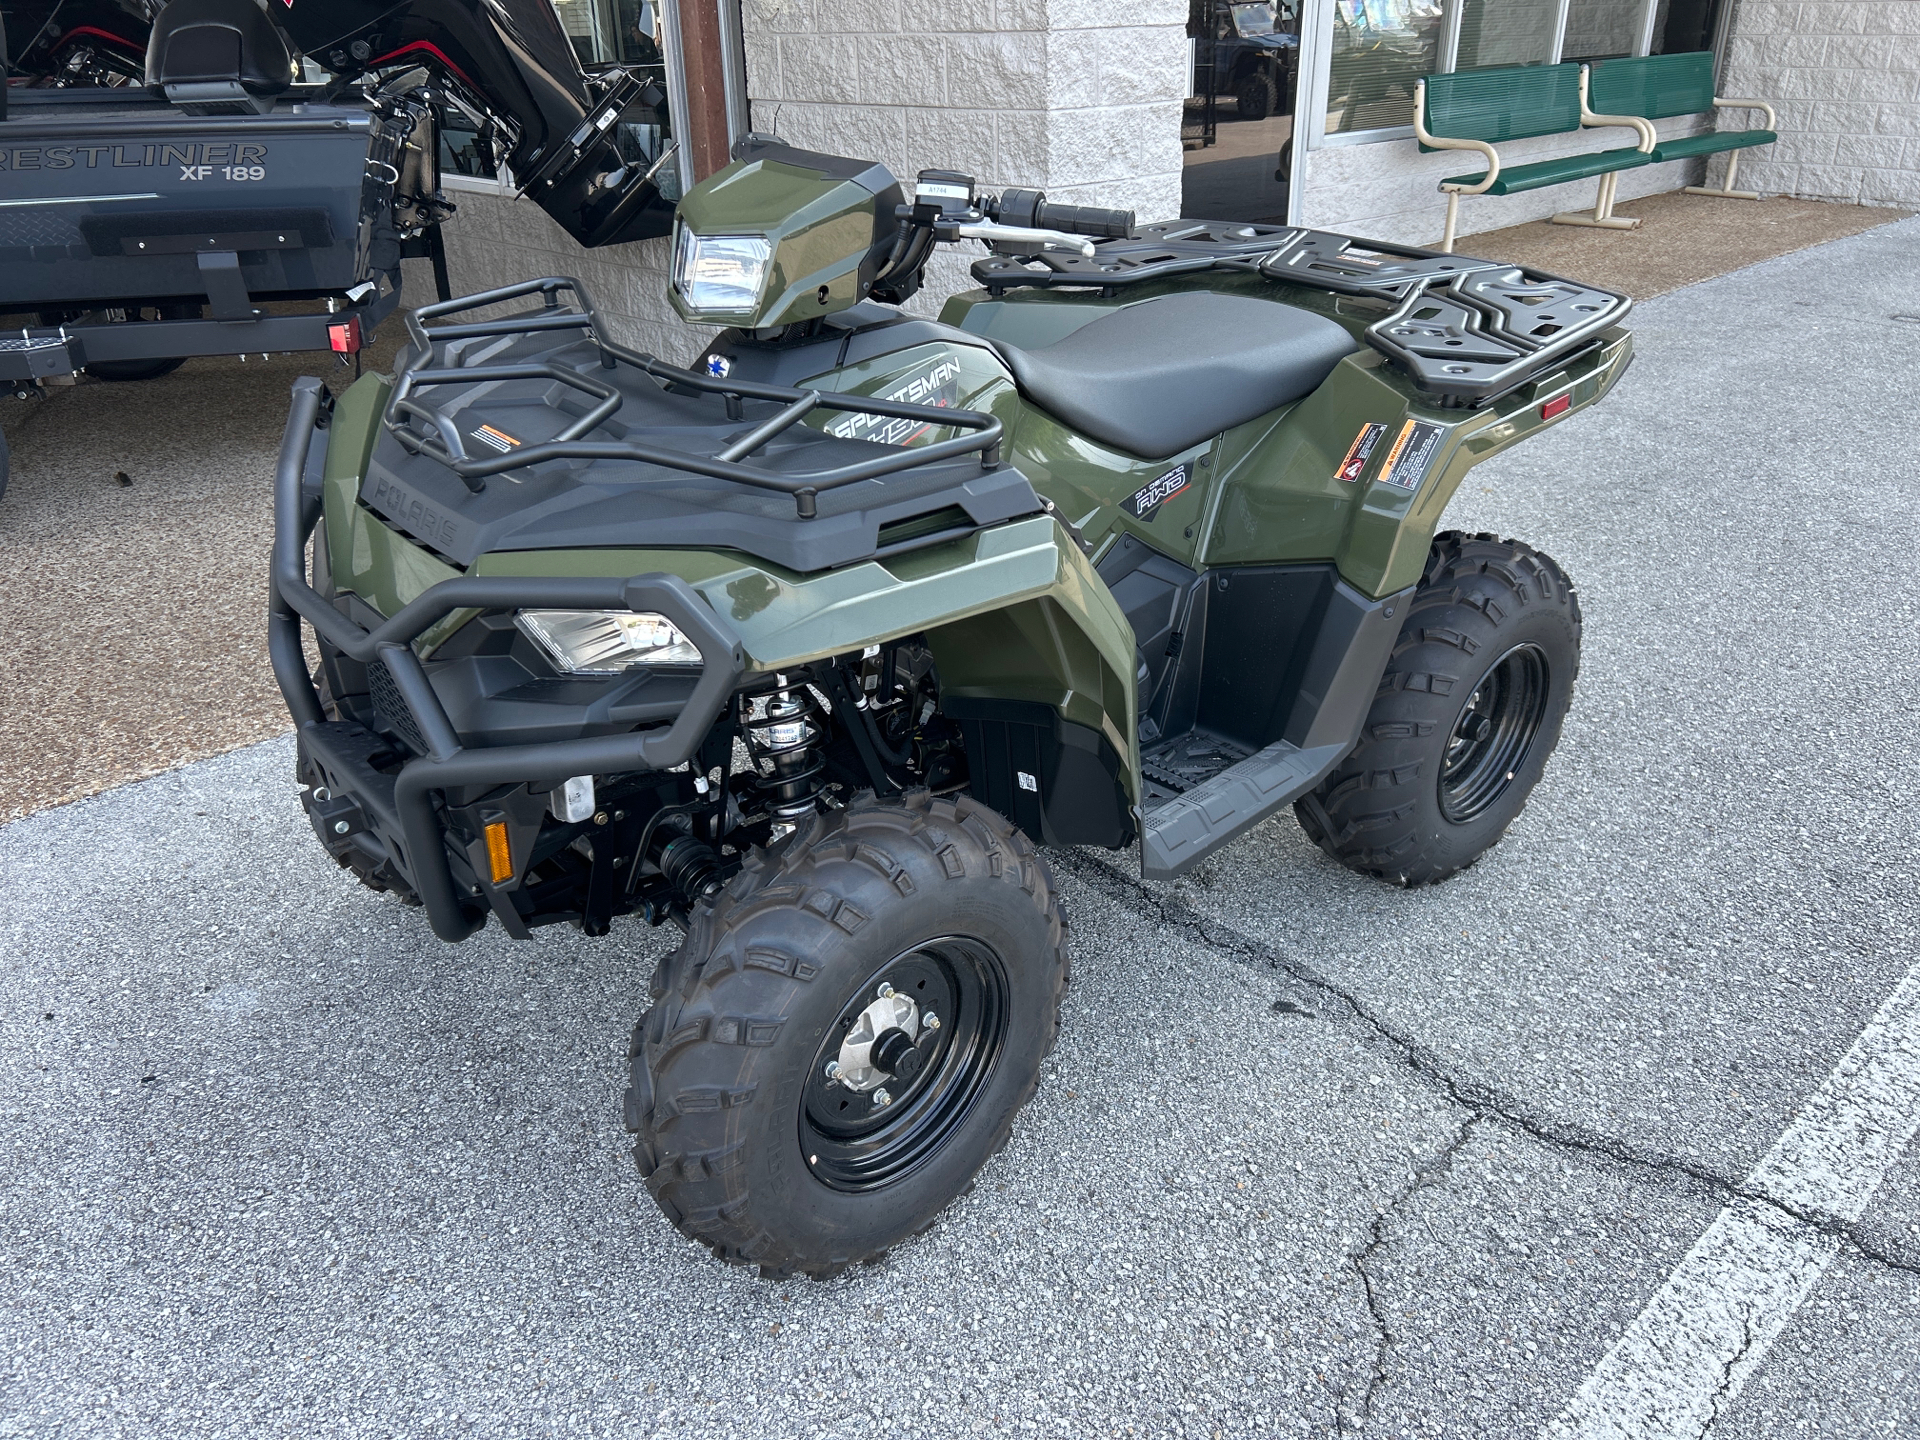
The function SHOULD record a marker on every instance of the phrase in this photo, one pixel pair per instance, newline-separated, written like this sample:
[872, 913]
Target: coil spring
[785, 735]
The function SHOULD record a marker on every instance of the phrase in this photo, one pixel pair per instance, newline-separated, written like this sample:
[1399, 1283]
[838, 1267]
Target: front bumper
[398, 810]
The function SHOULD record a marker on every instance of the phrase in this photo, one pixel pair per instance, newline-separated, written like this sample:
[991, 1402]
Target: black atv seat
[1158, 377]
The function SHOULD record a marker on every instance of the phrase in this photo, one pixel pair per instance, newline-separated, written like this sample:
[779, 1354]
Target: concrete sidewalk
[1313, 1156]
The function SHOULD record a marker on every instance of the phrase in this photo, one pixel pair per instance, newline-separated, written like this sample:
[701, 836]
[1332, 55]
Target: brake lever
[994, 233]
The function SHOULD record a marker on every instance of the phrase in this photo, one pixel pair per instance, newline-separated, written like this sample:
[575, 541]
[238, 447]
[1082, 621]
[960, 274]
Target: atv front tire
[1254, 96]
[756, 1137]
[1467, 713]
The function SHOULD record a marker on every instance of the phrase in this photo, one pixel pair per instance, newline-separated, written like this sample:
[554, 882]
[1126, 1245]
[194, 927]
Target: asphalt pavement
[1313, 1156]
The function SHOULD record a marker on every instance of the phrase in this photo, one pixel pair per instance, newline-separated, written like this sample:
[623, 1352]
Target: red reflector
[344, 335]
[1559, 405]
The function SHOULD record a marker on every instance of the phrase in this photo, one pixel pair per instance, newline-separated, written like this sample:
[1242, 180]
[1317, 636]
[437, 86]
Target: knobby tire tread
[730, 982]
[1367, 814]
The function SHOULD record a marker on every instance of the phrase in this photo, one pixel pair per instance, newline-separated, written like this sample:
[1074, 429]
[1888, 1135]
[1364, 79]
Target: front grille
[391, 708]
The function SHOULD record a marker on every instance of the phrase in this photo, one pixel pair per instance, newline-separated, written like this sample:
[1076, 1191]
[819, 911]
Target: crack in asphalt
[1353, 1419]
[1480, 1099]
[1724, 1395]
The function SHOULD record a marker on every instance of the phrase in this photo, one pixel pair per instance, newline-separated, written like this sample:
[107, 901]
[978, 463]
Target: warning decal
[1413, 451]
[1358, 452]
[497, 439]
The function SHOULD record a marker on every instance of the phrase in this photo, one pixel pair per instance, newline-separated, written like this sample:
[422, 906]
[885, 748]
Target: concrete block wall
[1843, 76]
[1076, 97]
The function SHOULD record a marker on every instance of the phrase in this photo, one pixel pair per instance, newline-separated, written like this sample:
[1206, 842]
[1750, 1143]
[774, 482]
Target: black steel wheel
[847, 1033]
[1254, 96]
[1468, 711]
[1488, 744]
[950, 999]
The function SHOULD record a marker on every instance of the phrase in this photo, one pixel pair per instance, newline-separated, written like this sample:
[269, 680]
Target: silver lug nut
[886, 992]
[932, 1022]
[881, 1099]
[833, 1070]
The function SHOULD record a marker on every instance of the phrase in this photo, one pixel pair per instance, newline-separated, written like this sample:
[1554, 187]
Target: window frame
[1315, 133]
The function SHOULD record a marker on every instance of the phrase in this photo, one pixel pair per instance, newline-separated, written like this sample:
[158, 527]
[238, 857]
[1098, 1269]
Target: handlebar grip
[1084, 220]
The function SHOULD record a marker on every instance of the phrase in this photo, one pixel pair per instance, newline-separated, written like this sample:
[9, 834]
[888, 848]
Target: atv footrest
[34, 357]
[1184, 828]
[1176, 766]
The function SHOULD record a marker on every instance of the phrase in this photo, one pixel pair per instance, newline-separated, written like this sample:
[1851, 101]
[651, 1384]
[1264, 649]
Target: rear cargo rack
[1466, 331]
[444, 443]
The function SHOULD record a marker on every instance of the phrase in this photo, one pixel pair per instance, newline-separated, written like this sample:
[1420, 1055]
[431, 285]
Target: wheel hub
[877, 1047]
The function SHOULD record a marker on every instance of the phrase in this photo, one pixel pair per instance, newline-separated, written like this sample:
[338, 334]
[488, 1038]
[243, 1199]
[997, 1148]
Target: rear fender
[1361, 470]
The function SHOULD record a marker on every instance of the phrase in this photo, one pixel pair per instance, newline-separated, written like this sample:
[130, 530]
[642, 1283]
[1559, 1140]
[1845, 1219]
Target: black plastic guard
[1329, 703]
[1058, 781]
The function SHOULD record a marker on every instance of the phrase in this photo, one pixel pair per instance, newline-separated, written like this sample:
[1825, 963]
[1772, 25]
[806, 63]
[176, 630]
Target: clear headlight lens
[720, 272]
[605, 642]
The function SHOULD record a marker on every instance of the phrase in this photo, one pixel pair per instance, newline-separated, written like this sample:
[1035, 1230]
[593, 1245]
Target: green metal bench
[1472, 109]
[1654, 87]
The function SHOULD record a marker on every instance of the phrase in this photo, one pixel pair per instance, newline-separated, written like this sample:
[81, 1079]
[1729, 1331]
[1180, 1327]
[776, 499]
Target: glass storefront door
[1238, 125]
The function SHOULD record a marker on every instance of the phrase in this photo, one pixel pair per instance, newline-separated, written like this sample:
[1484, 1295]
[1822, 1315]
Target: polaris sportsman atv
[811, 647]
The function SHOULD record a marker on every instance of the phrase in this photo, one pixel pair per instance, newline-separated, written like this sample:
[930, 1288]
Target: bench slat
[1507, 102]
[1714, 142]
[1654, 86]
[1515, 178]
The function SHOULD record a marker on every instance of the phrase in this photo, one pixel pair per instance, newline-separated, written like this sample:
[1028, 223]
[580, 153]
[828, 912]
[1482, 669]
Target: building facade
[1153, 106]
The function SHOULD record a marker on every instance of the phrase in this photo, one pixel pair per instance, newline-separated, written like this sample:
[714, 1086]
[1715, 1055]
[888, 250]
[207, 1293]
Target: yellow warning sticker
[1413, 451]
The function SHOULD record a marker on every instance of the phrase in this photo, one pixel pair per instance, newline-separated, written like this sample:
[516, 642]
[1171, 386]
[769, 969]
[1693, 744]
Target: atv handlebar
[1020, 223]
[1032, 208]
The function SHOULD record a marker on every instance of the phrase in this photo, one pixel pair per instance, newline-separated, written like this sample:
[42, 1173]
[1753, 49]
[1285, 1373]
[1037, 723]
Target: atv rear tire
[744, 1141]
[1467, 713]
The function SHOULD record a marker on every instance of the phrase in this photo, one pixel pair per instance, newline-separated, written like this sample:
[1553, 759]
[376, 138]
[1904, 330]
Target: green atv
[810, 647]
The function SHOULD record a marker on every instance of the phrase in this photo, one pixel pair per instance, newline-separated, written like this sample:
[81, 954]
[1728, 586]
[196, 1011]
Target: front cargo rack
[1466, 331]
[443, 443]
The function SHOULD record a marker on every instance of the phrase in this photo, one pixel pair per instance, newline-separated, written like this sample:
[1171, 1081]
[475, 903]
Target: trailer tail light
[344, 335]
[1559, 405]
[499, 856]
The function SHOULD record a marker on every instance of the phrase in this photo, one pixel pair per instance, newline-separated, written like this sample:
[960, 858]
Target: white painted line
[1675, 1370]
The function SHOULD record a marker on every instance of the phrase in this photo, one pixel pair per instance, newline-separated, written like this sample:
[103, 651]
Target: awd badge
[1145, 502]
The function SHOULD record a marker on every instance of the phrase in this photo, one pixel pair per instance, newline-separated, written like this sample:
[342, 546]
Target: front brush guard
[447, 764]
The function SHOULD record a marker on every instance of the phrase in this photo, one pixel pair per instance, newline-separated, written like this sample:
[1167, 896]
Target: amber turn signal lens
[499, 856]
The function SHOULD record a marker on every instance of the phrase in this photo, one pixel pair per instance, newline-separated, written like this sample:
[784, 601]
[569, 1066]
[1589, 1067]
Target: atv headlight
[605, 642]
[720, 272]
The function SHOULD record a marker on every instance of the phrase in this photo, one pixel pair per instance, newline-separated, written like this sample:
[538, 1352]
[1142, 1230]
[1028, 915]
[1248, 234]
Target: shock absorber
[784, 740]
